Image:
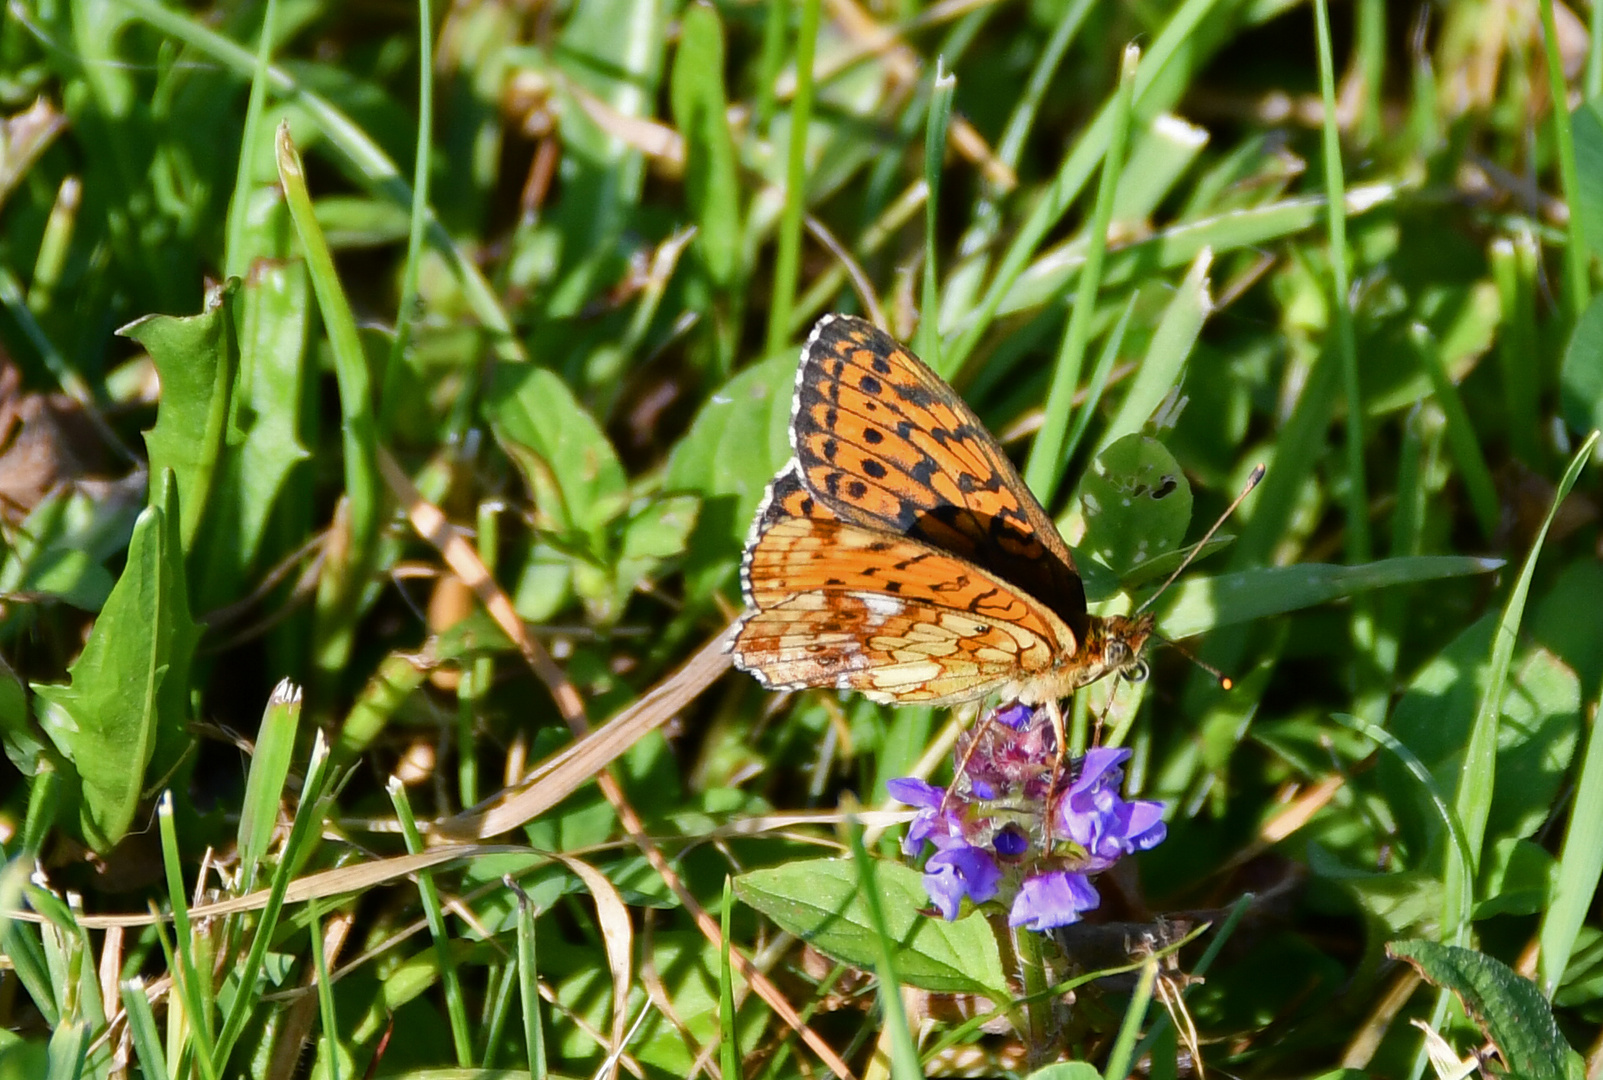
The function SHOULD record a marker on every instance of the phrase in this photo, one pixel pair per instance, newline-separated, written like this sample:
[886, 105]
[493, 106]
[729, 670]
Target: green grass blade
[1043, 472]
[358, 148]
[1166, 356]
[1461, 437]
[264, 785]
[787, 258]
[21, 944]
[728, 1031]
[1474, 797]
[455, 1007]
[417, 221]
[1070, 179]
[1514, 268]
[1358, 545]
[1120, 1058]
[529, 983]
[303, 837]
[69, 1051]
[340, 589]
[1099, 380]
[142, 1028]
[330, 1035]
[942, 89]
[904, 1053]
[1580, 865]
[195, 996]
[1577, 257]
[236, 261]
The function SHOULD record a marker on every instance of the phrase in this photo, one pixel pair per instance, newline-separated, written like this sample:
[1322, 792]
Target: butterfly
[899, 554]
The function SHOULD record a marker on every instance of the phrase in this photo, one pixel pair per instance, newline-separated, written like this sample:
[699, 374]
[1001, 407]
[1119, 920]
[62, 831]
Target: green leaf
[571, 469]
[129, 694]
[818, 901]
[264, 440]
[1581, 378]
[23, 742]
[1586, 123]
[651, 536]
[1202, 604]
[736, 444]
[1507, 1008]
[61, 548]
[700, 110]
[1161, 369]
[1137, 503]
[1519, 878]
[195, 358]
[1067, 1070]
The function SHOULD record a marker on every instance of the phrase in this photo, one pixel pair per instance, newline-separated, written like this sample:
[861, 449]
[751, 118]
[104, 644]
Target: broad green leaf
[571, 469]
[195, 356]
[1137, 503]
[1067, 1070]
[1508, 1008]
[1581, 378]
[652, 536]
[1518, 879]
[1537, 733]
[129, 690]
[700, 110]
[818, 901]
[1206, 603]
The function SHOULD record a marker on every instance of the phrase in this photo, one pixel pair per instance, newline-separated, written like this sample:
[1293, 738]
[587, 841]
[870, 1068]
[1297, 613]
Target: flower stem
[1028, 947]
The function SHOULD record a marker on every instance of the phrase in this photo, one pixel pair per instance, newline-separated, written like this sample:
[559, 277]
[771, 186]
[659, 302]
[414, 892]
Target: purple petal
[1010, 843]
[1145, 829]
[1054, 899]
[1015, 715]
[1095, 766]
[957, 872]
[915, 792]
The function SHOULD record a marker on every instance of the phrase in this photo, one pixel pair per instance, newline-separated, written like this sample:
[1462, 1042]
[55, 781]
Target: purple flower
[1054, 899]
[931, 822]
[1096, 817]
[958, 871]
[1023, 827]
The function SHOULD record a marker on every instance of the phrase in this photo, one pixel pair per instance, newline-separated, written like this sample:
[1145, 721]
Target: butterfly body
[899, 554]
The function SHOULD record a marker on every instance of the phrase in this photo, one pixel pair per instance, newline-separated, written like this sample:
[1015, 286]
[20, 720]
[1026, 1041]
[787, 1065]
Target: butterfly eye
[1116, 654]
[1137, 672]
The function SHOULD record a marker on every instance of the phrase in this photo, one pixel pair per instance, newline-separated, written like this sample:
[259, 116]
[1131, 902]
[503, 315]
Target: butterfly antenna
[1225, 682]
[1196, 549]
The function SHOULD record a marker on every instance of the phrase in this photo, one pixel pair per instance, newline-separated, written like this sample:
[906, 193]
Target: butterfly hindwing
[840, 605]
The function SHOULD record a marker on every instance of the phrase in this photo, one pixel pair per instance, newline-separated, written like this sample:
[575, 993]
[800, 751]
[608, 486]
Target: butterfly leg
[968, 753]
[1054, 713]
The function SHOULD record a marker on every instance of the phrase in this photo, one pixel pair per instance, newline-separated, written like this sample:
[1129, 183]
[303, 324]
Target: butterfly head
[1113, 646]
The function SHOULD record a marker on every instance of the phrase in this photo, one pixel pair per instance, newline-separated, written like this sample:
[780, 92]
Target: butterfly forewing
[883, 442]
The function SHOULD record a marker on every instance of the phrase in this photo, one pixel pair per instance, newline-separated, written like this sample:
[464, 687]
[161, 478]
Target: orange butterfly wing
[836, 604]
[883, 442]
